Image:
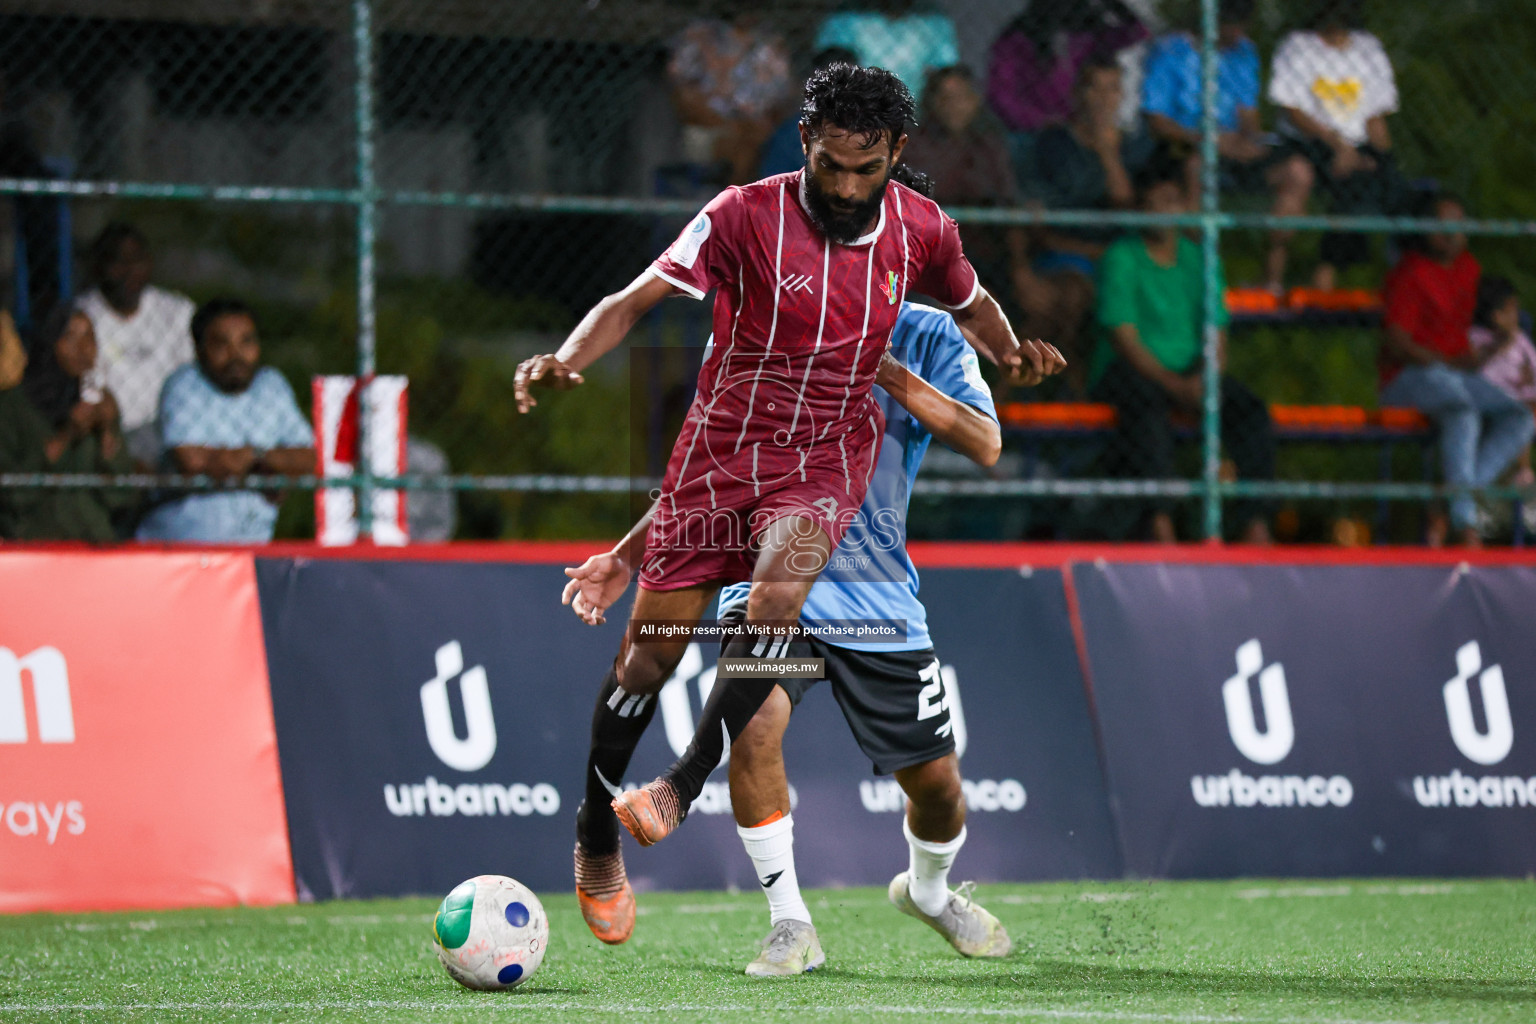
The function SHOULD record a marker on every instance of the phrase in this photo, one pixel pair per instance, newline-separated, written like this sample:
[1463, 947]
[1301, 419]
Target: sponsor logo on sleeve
[685, 251]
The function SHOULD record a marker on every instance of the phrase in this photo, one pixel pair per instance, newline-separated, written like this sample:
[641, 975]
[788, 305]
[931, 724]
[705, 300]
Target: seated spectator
[908, 38]
[963, 149]
[1335, 87]
[1037, 61]
[784, 152]
[1426, 363]
[143, 332]
[730, 81]
[1504, 352]
[224, 417]
[432, 514]
[1171, 102]
[47, 426]
[1148, 364]
[13, 355]
[1083, 165]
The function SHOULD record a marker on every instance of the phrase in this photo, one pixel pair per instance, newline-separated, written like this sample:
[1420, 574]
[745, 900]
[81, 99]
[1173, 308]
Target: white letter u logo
[475, 750]
[1271, 745]
[1492, 746]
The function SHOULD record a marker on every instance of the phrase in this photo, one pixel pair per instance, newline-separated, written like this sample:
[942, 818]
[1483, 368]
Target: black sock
[732, 702]
[618, 722]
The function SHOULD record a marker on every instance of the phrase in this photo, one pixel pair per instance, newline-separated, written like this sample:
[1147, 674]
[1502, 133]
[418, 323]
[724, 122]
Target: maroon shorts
[707, 523]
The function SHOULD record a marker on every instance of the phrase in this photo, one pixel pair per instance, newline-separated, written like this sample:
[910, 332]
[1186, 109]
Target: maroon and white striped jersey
[800, 324]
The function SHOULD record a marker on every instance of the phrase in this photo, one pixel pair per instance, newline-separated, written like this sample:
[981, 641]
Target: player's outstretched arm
[599, 582]
[962, 427]
[599, 332]
[1026, 362]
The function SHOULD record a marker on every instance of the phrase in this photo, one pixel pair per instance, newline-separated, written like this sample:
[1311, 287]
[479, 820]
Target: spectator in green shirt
[1148, 362]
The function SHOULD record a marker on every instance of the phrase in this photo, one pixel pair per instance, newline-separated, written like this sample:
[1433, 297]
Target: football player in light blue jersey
[889, 686]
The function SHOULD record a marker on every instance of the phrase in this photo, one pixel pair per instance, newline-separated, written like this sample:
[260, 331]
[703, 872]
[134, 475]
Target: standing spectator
[1335, 87]
[1504, 352]
[730, 80]
[144, 332]
[1171, 102]
[784, 152]
[1151, 307]
[964, 150]
[909, 41]
[1426, 363]
[1037, 62]
[47, 427]
[1085, 164]
[223, 417]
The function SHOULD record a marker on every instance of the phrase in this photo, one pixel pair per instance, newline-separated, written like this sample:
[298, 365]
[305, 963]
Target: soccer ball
[491, 933]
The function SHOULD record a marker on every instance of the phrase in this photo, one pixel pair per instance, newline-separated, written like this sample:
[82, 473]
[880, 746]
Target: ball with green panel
[491, 932]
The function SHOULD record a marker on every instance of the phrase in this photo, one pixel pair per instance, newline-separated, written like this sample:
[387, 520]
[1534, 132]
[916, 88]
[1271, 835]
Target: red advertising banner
[138, 761]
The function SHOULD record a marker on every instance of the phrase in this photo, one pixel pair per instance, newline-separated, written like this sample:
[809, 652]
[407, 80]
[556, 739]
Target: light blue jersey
[870, 576]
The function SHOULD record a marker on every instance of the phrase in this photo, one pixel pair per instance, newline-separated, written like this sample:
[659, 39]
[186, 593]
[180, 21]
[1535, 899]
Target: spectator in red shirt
[1426, 363]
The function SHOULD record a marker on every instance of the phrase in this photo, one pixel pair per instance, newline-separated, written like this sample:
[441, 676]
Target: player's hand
[1039, 360]
[541, 371]
[595, 585]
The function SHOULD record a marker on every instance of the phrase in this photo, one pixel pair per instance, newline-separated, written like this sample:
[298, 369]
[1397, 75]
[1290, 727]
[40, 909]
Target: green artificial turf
[1340, 951]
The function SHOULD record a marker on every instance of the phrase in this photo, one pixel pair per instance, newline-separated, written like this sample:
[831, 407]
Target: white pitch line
[524, 1004]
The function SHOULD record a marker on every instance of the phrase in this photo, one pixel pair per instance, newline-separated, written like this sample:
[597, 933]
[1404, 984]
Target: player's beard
[843, 223]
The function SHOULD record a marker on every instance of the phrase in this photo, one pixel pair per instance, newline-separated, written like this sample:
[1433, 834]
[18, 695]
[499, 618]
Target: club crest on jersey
[889, 287]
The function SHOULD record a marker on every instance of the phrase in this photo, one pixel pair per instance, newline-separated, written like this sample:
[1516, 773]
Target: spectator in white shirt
[143, 333]
[1334, 86]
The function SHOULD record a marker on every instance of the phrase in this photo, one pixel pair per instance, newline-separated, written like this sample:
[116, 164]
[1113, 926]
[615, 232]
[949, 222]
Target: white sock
[928, 870]
[772, 849]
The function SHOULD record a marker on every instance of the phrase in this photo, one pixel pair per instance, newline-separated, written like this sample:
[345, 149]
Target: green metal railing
[365, 198]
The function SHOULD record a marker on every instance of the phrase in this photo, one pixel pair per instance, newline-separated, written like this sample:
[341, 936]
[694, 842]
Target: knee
[763, 737]
[935, 784]
[1296, 175]
[645, 668]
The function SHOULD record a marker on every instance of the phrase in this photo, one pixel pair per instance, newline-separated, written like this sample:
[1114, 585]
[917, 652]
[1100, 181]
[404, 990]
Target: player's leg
[793, 550]
[760, 799]
[935, 829]
[625, 705]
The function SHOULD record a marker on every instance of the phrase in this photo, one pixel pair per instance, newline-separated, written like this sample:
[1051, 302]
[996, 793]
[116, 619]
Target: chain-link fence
[1221, 211]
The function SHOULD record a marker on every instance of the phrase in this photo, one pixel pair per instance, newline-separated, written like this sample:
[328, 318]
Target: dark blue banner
[1324, 720]
[432, 724]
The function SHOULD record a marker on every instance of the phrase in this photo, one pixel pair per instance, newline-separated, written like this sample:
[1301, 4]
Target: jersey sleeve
[951, 366]
[705, 254]
[947, 275]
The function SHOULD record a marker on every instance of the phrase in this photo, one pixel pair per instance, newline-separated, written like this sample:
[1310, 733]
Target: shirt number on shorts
[933, 699]
[828, 506]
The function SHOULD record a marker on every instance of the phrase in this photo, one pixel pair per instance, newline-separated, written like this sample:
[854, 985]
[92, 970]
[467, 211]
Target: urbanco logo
[1493, 745]
[1238, 789]
[50, 696]
[478, 746]
[469, 754]
[1488, 746]
[1273, 744]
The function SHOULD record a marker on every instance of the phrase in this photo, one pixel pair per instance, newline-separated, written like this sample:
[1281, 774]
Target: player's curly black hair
[915, 180]
[867, 102]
